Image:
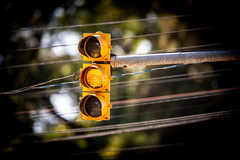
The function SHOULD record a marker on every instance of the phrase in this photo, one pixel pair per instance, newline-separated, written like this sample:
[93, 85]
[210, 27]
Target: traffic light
[95, 106]
[95, 46]
[95, 77]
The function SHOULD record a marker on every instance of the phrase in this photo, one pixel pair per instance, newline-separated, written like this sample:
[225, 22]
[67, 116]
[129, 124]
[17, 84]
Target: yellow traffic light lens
[94, 78]
[93, 107]
[93, 47]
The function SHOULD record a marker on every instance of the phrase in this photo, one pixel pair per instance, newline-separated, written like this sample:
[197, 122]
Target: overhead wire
[150, 70]
[40, 85]
[98, 128]
[37, 85]
[37, 48]
[141, 102]
[174, 97]
[40, 64]
[129, 149]
[157, 112]
[139, 127]
[63, 27]
[172, 76]
[134, 83]
[147, 125]
[115, 39]
[133, 115]
[167, 81]
[102, 23]
[77, 60]
[187, 47]
[36, 114]
[157, 34]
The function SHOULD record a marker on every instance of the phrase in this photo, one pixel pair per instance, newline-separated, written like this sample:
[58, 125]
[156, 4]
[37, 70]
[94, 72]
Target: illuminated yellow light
[94, 78]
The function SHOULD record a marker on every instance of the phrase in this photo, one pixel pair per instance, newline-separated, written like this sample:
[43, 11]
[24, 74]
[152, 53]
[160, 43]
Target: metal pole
[174, 58]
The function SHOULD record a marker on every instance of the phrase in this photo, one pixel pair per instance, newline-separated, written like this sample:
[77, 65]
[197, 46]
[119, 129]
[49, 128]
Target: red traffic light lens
[90, 47]
[93, 47]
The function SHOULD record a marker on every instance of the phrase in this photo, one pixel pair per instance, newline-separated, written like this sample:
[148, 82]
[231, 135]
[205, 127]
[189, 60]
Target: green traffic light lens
[93, 107]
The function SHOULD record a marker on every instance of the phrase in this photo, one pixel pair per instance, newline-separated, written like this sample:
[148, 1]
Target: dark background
[211, 139]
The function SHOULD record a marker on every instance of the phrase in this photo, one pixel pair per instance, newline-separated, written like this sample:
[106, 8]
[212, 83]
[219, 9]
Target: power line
[128, 74]
[150, 70]
[171, 76]
[114, 39]
[116, 126]
[187, 47]
[169, 109]
[40, 64]
[149, 125]
[187, 97]
[157, 34]
[134, 83]
[37, 48]
[146, 101]
[39, 86]
[174, 96]
[129, 149]
[76, 60]
[101, 24]
[115, 61]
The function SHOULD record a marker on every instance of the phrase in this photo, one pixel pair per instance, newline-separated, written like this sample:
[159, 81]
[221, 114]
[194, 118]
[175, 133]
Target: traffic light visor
[91, 106]
[95, 47]
[95, 106]
[92, 47]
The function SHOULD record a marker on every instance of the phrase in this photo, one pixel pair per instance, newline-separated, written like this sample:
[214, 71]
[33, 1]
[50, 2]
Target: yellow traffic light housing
[95, 46]
[95, 77]
[95, 106]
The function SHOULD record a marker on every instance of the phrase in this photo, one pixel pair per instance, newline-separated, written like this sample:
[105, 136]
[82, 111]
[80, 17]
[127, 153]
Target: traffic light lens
[93, 47]
[93, 107]
[94, 78]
